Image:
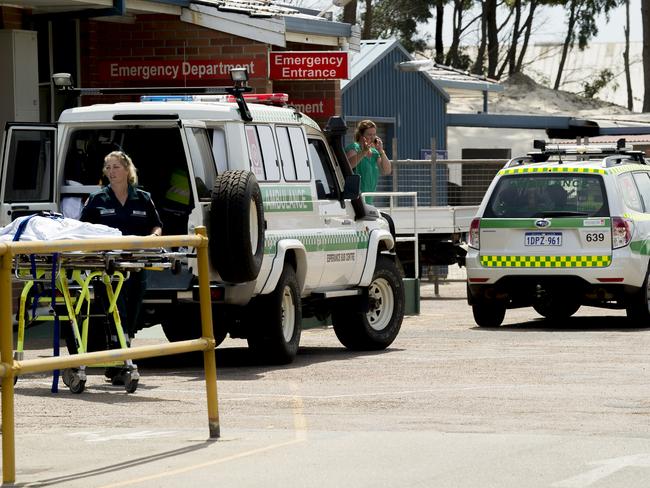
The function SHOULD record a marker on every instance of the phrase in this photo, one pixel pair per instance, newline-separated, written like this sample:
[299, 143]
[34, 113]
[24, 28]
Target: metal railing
[456, 182]
[10, 368]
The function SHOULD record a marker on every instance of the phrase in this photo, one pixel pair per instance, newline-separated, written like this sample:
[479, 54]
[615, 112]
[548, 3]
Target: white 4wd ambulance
[561, 228]
[289, 235]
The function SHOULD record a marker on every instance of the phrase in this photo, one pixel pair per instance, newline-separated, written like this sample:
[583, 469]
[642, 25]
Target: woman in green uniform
[367, 156]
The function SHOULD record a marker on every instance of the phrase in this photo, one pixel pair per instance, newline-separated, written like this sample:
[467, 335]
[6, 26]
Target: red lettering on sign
[314, 107]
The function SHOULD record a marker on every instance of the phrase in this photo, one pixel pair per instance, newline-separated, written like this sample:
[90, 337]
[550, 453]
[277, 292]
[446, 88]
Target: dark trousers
[129, 304]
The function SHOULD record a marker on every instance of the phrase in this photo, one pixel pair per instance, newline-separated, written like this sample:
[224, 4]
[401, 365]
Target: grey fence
[446, 182]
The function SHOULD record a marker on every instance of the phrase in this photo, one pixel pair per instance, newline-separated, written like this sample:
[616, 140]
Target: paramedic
[123, 206]
[367, 156]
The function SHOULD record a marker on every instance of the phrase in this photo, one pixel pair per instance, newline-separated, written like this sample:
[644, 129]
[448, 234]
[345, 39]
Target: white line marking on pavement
[606, 467]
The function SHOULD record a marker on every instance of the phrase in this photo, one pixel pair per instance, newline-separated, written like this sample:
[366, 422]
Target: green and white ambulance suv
[289, 234]
[562, 227]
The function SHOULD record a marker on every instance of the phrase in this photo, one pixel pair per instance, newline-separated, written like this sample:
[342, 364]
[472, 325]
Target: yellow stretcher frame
[76, 380]
[9, 367]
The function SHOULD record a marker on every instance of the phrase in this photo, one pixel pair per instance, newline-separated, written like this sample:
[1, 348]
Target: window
[548, 195]
[30, 172]
[643, 183]
[205, 173]
[219, 149]
[293, 153]
[261, 150]
[325, 181]
[286, 155]
[630, 192]
[301, 160]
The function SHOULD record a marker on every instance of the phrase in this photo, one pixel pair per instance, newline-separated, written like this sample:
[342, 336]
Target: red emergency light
[278, 99]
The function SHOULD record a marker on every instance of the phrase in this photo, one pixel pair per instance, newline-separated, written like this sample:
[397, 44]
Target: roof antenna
[559, 154]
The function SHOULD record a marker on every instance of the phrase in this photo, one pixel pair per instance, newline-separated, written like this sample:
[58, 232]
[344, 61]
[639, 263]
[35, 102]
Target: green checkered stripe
[336, 241]
[626, 168]
[545, 261]
[552, 169]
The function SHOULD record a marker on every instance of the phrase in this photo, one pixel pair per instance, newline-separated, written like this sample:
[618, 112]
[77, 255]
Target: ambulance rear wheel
[276, 325]
[638, 306]
[488, 314]
[237, 226]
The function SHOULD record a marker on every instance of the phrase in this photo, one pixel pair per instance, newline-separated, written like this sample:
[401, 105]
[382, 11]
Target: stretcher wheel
[72, 379]
[131, 385]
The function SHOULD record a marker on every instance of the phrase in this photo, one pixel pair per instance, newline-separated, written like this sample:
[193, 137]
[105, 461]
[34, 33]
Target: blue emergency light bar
[166, 98]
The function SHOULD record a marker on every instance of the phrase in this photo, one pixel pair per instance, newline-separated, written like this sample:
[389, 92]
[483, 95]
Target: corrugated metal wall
[417, 105]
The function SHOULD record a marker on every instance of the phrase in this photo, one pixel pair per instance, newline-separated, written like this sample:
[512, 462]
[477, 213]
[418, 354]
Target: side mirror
[352, 187]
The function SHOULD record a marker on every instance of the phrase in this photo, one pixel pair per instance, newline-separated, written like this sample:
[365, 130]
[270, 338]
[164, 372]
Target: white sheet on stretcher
[50, 229]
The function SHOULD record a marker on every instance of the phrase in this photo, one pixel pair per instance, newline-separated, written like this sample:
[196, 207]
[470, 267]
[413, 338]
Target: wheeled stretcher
[67, 282]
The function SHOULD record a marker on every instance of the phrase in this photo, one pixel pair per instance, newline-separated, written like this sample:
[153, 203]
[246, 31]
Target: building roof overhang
[268, 22]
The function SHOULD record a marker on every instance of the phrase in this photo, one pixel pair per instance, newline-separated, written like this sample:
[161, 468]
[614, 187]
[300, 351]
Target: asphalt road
[530, 404]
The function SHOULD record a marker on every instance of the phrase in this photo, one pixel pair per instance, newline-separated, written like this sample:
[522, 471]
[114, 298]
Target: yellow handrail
[9, 368]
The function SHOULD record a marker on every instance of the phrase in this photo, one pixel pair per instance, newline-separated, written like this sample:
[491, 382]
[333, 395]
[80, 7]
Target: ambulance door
[27, 174]
[201, 171]
[343, 240]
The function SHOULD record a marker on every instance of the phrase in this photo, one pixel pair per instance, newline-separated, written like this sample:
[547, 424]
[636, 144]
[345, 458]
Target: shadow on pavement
[608, 323]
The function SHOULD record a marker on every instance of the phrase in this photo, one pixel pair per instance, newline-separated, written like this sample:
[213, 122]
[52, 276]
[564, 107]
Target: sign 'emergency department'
[177, 70]
[308, 65]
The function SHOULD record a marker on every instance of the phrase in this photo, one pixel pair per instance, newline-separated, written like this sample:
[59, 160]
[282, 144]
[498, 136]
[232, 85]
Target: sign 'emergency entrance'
[308, 65]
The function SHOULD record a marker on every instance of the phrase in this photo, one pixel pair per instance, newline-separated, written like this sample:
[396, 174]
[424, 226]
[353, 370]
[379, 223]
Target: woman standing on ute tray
[367, 156]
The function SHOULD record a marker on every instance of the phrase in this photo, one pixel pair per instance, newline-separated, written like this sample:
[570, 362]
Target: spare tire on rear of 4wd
[237, 226]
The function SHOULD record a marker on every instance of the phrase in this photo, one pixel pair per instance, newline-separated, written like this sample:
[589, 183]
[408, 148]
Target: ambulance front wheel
[373, 322]
[488, 314]
[237, 226]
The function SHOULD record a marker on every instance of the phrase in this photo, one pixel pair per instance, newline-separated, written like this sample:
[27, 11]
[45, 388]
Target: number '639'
[595, 237]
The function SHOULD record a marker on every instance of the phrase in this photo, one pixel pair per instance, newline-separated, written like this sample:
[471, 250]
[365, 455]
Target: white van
[289, 236]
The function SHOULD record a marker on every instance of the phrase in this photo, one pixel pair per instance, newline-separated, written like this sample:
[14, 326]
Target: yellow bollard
[6, 357]
[210, 362]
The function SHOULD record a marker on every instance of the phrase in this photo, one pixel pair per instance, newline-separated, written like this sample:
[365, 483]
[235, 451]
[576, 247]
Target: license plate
[543, 239]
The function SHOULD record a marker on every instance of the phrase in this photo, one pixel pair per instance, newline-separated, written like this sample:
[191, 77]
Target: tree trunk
[645, 17]
[367, 21]
[568, 40]
[512, 52]
[350, 13]
[492, 37]
[626, 57]
[440, 15]
[529, 28]
[452, 54]
[480, 55]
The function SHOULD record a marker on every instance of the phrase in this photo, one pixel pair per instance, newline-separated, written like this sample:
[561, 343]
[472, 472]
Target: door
[344, 244]
[28, 171]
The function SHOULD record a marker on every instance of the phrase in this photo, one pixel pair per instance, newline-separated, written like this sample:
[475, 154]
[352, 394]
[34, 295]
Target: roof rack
[612, 154]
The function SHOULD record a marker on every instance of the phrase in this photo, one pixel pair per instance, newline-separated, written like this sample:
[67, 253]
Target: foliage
[400, 19]
[603, 78]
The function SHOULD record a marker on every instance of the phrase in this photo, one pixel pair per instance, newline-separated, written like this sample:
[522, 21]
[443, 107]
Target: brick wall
[11, 18]
[161, 37]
